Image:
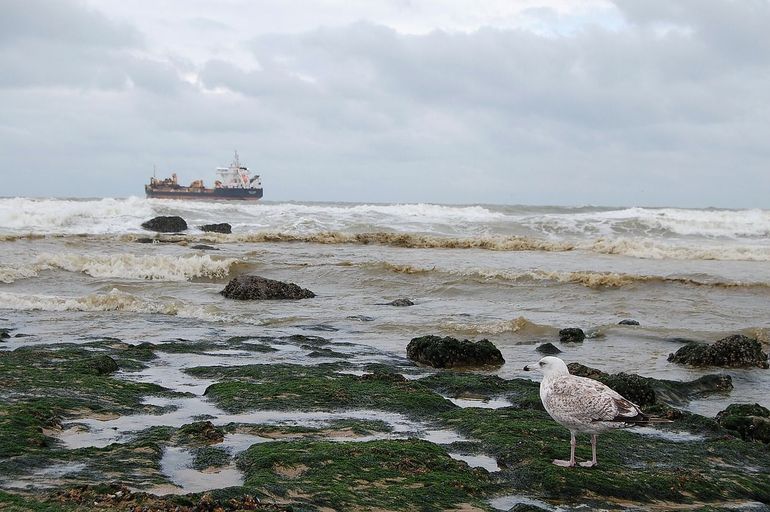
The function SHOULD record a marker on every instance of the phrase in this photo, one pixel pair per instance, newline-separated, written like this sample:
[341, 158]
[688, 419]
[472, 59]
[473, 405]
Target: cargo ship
[233, 183]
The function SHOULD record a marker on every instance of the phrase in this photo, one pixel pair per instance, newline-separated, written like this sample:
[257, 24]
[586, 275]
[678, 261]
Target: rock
[384, 376]
[173, 224]
[527, 507]
[201, 432]
[249, 287]
[751, 422]
[628, 322]
[224, 227]
[571, 335]
[736, 351]
[676, 392]
[145, 240]
[548, 349]
[361, 318]
[400, 303]
[204, 248]
[101, 365]
[450, 352]
[4, 334]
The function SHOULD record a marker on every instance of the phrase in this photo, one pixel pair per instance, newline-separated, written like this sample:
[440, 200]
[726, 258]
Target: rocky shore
[379, 435]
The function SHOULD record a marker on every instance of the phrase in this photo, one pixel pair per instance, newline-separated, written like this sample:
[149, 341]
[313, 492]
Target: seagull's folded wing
[588, 400]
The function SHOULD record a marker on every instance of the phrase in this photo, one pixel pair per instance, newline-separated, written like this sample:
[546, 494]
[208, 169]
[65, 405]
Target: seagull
[584, 405]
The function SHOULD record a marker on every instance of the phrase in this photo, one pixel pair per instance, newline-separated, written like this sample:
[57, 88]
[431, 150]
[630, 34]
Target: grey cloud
[362, 112]
[65, 44]
[64, 22]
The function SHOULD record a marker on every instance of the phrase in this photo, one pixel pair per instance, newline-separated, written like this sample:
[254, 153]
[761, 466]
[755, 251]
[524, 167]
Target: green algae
[390, 475]
[289, 387]
[210, 457]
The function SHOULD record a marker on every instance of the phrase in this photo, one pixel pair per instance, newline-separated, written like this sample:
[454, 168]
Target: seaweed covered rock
[450, 352]
[163, 224]
[223, 227]
[100, 365]
[201, 432]
[249, 287]
[736, 351]
[751, 422]
[628, 321]
[571, 335]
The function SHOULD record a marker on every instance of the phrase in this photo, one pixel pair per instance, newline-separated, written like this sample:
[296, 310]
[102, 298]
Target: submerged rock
[400, 303]
[163, 224]
[450, 352]
[248, 287]
[571, 335]
[223, 227]
[548, 349]
[628, 322]
[736, 351]
[4, 334]
[751, 422]
[202, 247]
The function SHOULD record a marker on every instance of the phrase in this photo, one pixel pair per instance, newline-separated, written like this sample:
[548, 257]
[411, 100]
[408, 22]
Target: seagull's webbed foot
[565, 463]
[587, 464]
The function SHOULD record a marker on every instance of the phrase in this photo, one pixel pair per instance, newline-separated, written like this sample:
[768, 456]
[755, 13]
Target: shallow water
[72, 271]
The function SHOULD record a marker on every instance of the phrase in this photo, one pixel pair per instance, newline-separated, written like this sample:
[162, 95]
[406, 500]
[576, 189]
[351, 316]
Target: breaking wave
[125, 266]
[517, 325]
[115, 300]
[590, 279]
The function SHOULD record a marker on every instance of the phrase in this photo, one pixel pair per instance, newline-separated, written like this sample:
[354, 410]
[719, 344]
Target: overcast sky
[624, 102]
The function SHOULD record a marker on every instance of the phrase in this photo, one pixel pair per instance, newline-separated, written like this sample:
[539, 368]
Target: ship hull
[204, 194]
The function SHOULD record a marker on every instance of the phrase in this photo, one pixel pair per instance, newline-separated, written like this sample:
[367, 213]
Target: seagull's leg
[592, 462]
[571, 462]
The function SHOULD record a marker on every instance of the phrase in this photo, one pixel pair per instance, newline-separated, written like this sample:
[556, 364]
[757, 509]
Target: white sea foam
[61, 216]
[653, 249]
[654, 222]
[124, 266]
[130, 266]
[115, 300]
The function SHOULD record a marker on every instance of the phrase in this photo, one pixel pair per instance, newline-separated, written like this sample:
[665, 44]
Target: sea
[75, 269]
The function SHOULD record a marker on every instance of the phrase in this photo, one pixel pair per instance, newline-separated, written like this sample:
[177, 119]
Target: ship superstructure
[234, 182]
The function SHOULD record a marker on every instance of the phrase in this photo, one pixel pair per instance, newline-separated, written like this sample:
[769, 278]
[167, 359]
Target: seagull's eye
[541, 363]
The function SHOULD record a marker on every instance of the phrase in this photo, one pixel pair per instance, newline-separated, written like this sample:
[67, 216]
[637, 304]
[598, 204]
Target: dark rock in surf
[548, 349]
[361, 318]
[162, 224]
[751, 422]
[400, 303]
[4, 334]
[223, 227]
[628, 322]
[571, 335]
[450, 352]
[736, 351]
[204, 248]
[249, 287]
